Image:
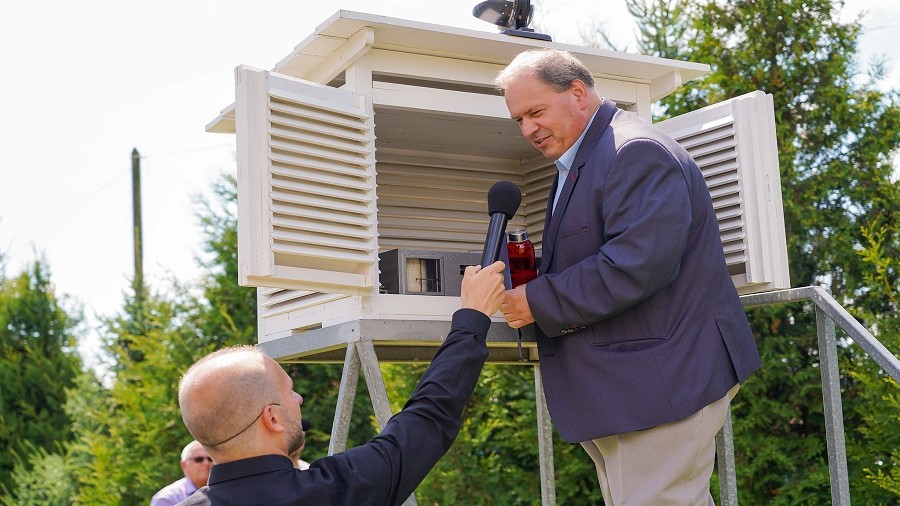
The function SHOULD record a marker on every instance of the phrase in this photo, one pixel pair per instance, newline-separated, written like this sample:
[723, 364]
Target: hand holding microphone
[504, 198]
[482, 289]
[503, 202]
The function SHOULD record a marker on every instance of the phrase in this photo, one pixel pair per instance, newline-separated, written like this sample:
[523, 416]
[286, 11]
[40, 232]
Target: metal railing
[828, 314]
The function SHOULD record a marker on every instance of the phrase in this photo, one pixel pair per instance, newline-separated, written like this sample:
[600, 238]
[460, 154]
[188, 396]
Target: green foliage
[38, 363]
[45, 479]
[836, 133]
[137, 431]
[226, 314]
[878, 453]
[129, 434]
[662, 30]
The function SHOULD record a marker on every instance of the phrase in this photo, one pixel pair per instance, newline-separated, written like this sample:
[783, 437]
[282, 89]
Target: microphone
[504, 198]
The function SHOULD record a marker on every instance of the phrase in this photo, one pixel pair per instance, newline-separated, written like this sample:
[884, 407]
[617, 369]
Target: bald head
[221, 394]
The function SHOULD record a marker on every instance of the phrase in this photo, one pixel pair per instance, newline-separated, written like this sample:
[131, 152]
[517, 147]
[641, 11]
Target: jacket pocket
[626, 345]
[572, 231]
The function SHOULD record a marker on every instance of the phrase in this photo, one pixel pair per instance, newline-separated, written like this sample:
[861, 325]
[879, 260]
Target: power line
[881, 27]
[70, 213]
[186, 151]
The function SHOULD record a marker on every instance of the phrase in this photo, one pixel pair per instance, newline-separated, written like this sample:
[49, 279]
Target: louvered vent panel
[281, 301]
[437, 203]
[715, 151]
[306, 185]
[733, 143]
[283, 313]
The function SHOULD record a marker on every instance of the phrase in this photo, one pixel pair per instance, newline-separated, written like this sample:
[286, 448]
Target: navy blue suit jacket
[638, 321]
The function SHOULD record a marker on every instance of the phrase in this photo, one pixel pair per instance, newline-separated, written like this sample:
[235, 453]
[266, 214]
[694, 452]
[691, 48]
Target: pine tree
[38, 362]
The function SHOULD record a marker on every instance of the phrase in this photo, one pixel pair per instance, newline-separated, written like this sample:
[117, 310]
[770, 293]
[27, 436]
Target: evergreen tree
[877, 438]
[226, 314]
[38, 362]
[836, 133]
[134, 432]
[46, 478]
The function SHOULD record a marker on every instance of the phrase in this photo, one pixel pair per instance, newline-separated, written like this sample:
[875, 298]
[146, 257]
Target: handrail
[828, 313]
[824, 301]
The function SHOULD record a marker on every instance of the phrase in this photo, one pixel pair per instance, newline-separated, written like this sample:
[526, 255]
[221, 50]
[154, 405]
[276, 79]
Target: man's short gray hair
[188, 448]
[555, 67]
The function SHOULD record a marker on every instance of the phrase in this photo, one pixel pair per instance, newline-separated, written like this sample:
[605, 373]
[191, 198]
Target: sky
[84, 83]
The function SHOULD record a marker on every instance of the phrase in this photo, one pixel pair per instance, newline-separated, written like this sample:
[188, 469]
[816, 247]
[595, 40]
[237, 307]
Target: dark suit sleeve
[643, 204]
[389, 468]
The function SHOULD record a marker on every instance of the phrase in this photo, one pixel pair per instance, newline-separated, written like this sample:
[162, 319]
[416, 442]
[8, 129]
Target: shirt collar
[248, 467]
[189, 487]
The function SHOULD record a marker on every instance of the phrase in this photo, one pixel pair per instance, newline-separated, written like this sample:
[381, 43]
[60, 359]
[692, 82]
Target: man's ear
[580, 91]
[272, 418]
[183, 466]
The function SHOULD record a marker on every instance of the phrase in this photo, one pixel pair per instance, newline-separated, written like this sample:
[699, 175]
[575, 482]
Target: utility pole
[138, 283]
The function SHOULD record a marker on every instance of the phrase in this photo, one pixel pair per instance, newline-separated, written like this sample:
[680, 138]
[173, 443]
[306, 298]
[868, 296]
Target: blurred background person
[195, 464]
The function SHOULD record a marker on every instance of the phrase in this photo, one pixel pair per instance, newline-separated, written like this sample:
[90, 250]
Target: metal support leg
[377, 391]
[346, 395]
[545, 443]
[375, 382]
[834, 415]
[725, 462]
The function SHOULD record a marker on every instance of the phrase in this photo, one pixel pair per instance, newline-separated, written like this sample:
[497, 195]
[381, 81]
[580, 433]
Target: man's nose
[527, 127]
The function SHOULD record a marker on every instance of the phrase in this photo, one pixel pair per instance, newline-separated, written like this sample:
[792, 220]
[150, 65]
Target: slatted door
[734, 144]
[306, 190]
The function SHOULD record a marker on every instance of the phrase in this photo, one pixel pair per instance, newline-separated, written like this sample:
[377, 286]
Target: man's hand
[482, 289]
[515, 308]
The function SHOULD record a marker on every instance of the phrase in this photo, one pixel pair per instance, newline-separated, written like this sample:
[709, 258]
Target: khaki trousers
[669, 464]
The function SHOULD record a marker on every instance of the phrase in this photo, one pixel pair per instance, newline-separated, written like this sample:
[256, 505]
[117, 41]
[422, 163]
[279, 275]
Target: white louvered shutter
[306, 185]
[733, 143]
[284, 312]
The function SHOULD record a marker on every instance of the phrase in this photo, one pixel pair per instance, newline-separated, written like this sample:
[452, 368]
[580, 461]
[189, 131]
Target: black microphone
[503, 201]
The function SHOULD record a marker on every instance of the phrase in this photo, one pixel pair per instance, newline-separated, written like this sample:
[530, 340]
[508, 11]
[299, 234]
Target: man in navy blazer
[642, 338]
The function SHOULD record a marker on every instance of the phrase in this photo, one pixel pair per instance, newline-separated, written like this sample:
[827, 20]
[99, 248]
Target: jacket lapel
[553, 218]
